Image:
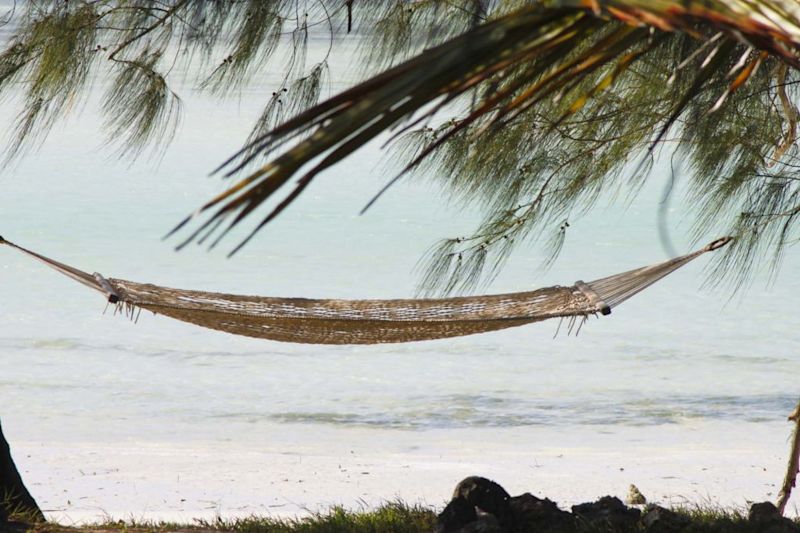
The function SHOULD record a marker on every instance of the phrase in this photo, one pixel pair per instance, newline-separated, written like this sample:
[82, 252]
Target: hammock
[315, 321]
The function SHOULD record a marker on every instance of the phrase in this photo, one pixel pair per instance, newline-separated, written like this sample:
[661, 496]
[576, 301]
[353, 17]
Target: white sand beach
[286, 471]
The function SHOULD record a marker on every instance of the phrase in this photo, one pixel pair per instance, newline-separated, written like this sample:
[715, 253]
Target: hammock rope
[318, 321]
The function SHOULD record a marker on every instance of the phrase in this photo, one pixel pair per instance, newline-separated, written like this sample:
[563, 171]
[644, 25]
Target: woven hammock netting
[319, 321]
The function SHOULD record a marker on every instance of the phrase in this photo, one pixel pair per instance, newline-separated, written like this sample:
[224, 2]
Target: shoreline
[724, 465]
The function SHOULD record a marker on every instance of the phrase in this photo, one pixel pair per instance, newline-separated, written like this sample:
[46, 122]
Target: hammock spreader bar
[318, 321]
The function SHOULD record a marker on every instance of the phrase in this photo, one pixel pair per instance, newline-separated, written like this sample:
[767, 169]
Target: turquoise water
[672, 355]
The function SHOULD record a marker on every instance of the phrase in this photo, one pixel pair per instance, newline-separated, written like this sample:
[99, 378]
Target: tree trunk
[793, 466]
[14, 497]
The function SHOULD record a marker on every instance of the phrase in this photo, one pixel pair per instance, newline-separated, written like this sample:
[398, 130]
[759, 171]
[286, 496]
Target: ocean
[679, 359]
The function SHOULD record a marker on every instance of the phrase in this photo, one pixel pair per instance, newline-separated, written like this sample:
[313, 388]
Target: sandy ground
[293, 470]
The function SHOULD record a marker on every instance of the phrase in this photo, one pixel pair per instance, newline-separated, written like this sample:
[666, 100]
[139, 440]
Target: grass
[389, 518]
[394, 518]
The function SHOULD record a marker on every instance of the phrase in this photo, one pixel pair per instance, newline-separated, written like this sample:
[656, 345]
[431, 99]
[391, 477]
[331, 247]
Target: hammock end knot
[719, 243]
[105, 286]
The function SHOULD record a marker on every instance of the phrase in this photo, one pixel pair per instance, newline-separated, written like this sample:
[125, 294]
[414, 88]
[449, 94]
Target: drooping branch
[57, 46]
[556, 67]
[509, 91]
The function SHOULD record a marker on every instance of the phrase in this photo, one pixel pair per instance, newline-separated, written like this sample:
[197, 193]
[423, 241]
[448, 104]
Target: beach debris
[635, 496]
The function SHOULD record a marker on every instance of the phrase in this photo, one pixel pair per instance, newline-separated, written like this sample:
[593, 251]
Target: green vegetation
[390, 518]
[397, 518]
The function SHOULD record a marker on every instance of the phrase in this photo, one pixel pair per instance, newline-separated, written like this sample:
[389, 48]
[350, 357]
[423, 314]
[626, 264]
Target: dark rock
[763, 512]
[487, 496]
[475, 494]
[481, 505]
[608, 512]
[486, 523]
[484, 494]
[659, 520]
[533, 514]
[457, 514]
[766, 516]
